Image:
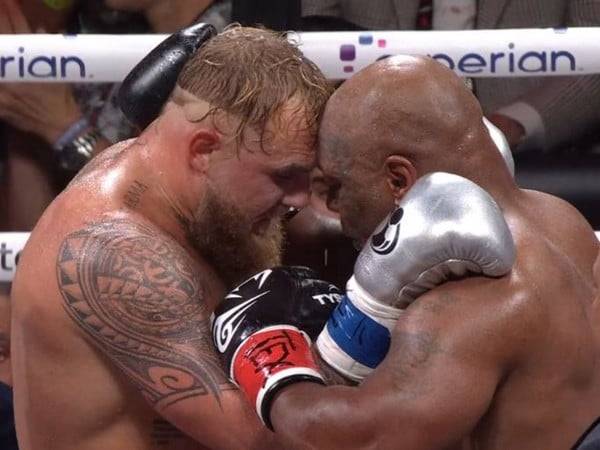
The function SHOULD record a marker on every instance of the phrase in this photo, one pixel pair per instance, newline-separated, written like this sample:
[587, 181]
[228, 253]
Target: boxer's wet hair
[252, 73]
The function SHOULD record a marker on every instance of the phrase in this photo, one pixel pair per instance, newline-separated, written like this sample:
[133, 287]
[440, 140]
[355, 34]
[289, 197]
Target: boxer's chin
[358, 241]
[228, 240]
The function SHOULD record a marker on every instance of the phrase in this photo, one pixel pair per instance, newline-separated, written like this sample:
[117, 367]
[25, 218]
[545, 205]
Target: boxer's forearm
[266, 441]
[308, 415]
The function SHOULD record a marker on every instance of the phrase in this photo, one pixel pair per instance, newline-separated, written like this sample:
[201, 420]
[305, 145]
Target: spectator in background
[168, 16]
[280, 15]
[537, 113]
[46, 124]
[25, 178]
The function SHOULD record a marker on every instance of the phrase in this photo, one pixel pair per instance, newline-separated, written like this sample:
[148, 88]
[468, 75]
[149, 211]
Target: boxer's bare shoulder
[120, 285]
[106, 159]
[560, 223]
[505, 335]
[137, 295]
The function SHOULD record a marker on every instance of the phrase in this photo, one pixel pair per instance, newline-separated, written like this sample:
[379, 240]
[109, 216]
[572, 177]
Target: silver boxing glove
[445, 226]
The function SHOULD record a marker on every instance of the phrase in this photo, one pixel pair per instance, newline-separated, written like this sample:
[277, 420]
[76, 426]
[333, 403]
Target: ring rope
[471, 53]
[11, 245]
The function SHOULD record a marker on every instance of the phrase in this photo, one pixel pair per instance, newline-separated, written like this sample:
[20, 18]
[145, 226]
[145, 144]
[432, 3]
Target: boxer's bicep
[136, 296]
[448, 354]
[444, 365]
[436, 382]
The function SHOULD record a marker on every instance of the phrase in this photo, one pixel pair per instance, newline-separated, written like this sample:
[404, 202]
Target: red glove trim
[269, 356]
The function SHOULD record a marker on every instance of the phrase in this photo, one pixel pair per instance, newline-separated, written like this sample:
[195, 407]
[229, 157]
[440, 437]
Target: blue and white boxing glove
[445, 226]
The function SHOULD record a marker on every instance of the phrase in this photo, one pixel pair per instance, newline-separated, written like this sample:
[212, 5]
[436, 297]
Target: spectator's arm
[566, 106]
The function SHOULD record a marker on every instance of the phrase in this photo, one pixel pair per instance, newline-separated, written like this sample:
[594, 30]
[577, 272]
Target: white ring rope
[471, 53]
[11, 245]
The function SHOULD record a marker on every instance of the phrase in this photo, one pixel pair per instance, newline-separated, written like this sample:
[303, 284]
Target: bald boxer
[473, 310]
[114, 290]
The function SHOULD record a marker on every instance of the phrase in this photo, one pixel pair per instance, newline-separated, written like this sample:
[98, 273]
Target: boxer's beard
[222, 233]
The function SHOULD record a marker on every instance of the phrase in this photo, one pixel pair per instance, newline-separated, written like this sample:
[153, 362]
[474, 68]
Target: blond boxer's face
[267, 172]
[222, 233]
[249, 189]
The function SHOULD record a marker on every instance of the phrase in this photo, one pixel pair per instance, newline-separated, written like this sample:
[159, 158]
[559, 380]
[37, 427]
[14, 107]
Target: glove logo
[227, 324]
[323, 299]
[385, 241]
[260, 277]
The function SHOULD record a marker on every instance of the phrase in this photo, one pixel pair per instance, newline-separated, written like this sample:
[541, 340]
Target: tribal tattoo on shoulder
[136, 295]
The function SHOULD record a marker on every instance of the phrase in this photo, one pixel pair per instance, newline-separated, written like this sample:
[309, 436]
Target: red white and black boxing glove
[265, 327]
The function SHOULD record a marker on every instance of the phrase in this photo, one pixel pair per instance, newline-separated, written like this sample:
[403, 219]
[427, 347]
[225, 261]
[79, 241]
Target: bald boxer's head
[241, 126]
[392, 122]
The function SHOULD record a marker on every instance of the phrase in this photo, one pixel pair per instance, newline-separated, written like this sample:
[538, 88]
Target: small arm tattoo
[136, 295]
[134, 194]
[412, 352]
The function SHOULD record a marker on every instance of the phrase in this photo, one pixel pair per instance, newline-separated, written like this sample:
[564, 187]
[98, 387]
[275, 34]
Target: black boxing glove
[150, 83]
[264, 329]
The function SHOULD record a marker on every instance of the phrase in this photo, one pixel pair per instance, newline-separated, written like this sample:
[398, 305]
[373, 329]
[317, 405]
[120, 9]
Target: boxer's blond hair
[252, 73]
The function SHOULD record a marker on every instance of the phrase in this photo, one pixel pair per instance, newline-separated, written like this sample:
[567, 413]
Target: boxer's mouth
[357, 242]
[264, 221]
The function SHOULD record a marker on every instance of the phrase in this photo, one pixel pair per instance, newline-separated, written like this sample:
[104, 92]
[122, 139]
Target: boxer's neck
[490, 173]
[157, 187]
[168, 16]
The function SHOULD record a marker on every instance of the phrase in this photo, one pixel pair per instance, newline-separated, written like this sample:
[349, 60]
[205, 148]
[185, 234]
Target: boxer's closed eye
[285, 175]
[290, 174]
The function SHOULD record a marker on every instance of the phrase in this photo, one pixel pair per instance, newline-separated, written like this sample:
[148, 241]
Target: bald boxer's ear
[400, 175]
[204, 142]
